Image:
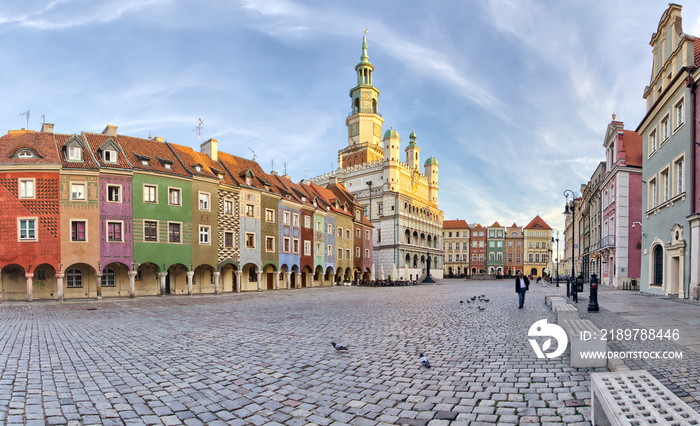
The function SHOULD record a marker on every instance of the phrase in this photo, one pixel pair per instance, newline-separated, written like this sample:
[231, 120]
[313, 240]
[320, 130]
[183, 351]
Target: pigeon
[461, 301]
[485, 300]
[424, 361]
[482, 309]
[473, 298]
[339, 347]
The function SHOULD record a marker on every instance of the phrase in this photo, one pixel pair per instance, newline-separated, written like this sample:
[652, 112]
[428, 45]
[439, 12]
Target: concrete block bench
[556, 301]
[565, 311]
[585, 337]
[548, 296]
[636, 397]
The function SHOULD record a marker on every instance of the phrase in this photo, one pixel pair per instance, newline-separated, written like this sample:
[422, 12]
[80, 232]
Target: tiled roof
[41, 143]
[190, 158]
[455, 224]
[87, 161]
[95, 141]
[238, 166]
[537, 223]
[139, 147]
[495, 225]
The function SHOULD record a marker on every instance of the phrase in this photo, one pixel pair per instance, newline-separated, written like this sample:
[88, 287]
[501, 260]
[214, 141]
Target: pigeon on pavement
[339, 347]
[482, 309]
[424, 361]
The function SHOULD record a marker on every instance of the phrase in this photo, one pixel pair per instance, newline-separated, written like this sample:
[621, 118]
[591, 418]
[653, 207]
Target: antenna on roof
[43, 119]
[254, 156]
[198, 129]
[285, 169]
[27, 115]
[273, 165]
[304, 174]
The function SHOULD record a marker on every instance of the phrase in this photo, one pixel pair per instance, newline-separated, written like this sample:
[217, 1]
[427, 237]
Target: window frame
[679, 114]
[174, 190]
[74, 278]
[72, 231]
[147, 187]
[121, 231]
[111, 153]
[232, 236]
[665, 128]
[170, 232]
[228, 207]
[249, 210]
[250, 237]
[205, 230]
[269, 244]
[78, 151]
[35, 221]
[270, 215]
[118, 187]
[19, 188]
[679, 181]
[204, 199]
[147, 222]
[72, 192]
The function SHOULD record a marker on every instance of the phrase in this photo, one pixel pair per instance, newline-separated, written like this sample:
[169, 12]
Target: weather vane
[26, 114]
[366, 31]
[198, 129]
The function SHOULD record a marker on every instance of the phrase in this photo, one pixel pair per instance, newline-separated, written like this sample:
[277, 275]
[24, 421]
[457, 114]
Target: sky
[512, 97]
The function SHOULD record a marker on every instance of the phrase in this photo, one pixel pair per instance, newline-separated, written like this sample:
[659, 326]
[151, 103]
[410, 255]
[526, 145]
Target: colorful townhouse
[536, 238]
[495, 249]
[478, 250]
[513, 250]
[115, 228]
[79, 212]
[289, 230]
[620, 248]
[30, 254]
[670, 206]
[456, 243]
[162, 216]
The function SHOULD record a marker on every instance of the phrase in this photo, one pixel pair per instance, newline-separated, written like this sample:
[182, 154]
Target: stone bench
[636, 397]
[556, 301]
[548, 296]
[585, 337]
[565, 311]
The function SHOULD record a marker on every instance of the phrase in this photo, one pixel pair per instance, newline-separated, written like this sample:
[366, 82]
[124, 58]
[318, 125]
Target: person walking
[522, 284]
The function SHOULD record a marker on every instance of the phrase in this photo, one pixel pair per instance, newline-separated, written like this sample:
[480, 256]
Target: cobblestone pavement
[265, 358]
[621, 310]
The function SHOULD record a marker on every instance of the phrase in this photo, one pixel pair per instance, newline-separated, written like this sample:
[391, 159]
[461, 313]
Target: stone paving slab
[265, 358]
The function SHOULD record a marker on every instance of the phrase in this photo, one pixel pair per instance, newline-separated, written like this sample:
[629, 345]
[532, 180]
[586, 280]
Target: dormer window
[109, 156]
[75, 153]
[145, 162]
[248, 180]
[198, 168]
[168, 166]
[25, 154]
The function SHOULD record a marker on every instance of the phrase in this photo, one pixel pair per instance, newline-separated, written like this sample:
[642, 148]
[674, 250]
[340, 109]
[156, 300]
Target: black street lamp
[556, 260]
[571, 211]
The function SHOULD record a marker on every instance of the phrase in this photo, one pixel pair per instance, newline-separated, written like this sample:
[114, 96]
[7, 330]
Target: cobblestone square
[265, 358]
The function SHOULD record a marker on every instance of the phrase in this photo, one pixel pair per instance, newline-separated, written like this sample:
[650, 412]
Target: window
[449, 246]
[474, 257]
[228, 239]
[381, 208]
[665, 186]
[319, 226]
[269, 215]
[319, 249]
[537, 244]
[499, 257]
[40, 274]
[537, 258]
[379, 235]
[114, 193]
[174, 232]
[286, 245]
[285, 218]
[108, 278]
[249, 240]
[680, 113]
[348, 234]
[75, 153]
[307, 221]
[510, 257]
[295, 245]
[77, 191]
[481, 257]
[139, 275]
[464, 246]
[365, 210]
[652, 193]
[482, 244]
[109, 156]
[150, 231]
[475, 244]
[204, 235]
[150, 194]
[517, 257]
[612, 193]
[653, 144]
[491, 256]
[449, 234]
[340, 253]
[295, 220]
[329, 229]
[74, 278]
[517, 244]
[270, 244]
[665, 129]
[340, 232]
[27, 229]
[250, 210]
[530, 244]
[329, 250]
[544, 258]
[358, 233]
[228, 207]
[679, 178]
[347, 254]
[174, 196]
[26, 188]
[357, 252]
[530, 258]
[114, 231]
[307, 248]
[25, 154]
[77, 230]
[204, 201]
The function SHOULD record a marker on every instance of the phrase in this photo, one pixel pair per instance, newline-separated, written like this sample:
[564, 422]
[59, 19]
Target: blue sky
[512, 97]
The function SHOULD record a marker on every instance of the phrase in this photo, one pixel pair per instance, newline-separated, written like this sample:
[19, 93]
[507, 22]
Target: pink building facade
[621, 204]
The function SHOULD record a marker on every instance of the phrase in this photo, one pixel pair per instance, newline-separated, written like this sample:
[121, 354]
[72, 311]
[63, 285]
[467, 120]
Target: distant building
[537, 236]
[477, 250]
[456, 243]
[495, 249]
[513, 250]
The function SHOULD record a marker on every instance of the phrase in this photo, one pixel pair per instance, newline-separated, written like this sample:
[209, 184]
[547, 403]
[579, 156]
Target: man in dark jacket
[522, 284]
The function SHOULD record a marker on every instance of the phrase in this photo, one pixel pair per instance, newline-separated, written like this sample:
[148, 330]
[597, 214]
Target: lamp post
[571, 211]
[556, 260]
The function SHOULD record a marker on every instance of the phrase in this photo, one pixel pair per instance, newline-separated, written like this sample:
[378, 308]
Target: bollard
[593, 300]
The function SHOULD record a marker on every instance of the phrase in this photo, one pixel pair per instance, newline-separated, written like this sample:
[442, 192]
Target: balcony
[606, 242]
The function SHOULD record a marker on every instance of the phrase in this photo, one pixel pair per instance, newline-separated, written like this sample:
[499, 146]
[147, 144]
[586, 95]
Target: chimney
[159, 139]
[211, 148]
[47, 128]
[110, 130]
